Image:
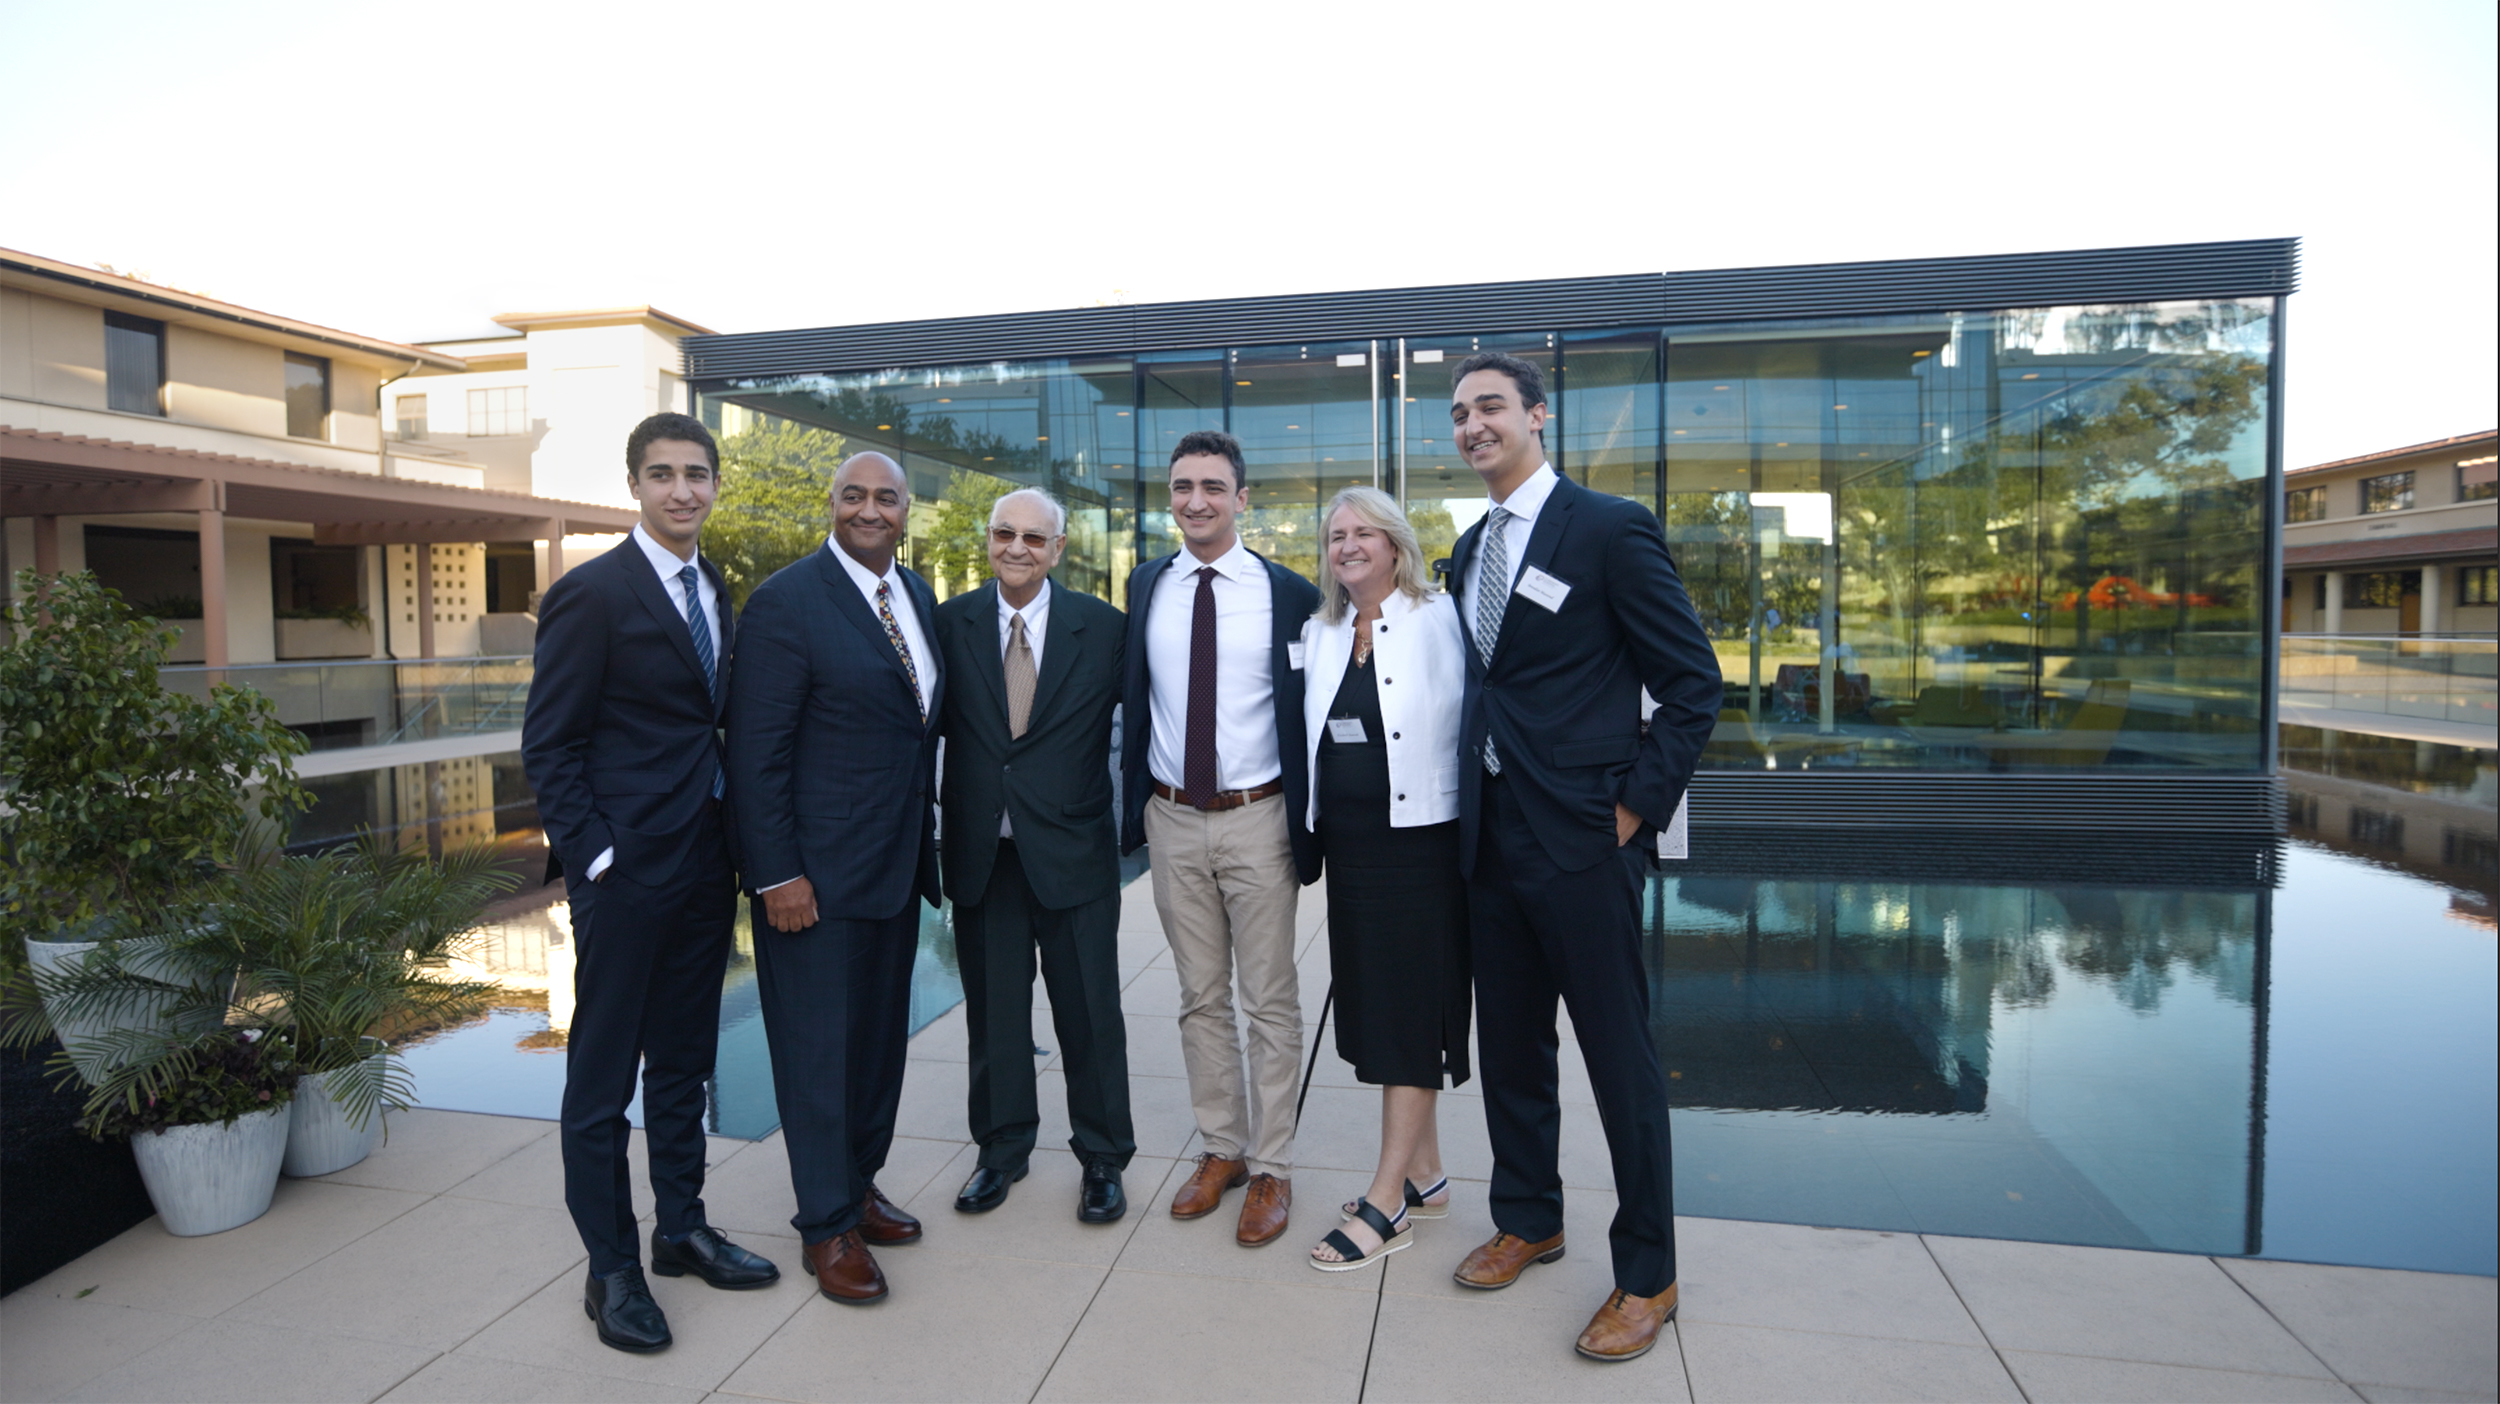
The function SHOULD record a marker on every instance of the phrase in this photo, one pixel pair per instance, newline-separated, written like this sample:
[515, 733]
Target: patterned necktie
[701, 628]
[1199, 775]
[1021, 677]
[1492, 592]
[894, 636]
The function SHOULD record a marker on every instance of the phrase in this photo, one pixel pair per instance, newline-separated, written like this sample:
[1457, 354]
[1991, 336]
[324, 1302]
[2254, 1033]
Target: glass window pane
[307, 396]
[1307, 422]
[134, 364]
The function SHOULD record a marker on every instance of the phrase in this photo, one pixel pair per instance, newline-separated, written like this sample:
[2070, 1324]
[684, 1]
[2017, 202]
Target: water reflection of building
[2429, 809]
[2111, 1039]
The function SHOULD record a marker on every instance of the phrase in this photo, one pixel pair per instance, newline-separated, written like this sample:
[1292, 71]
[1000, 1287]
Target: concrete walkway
[445, 1268]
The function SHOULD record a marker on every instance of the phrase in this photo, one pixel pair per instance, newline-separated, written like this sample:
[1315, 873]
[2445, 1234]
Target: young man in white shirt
[1217, 785]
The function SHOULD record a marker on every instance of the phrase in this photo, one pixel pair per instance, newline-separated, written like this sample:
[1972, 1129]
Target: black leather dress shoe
[620, 1305]
[713, 1258]
[1102, 1201]
[987, 1189]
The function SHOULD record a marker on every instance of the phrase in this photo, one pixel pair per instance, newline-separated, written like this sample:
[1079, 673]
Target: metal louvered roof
[2155, 273]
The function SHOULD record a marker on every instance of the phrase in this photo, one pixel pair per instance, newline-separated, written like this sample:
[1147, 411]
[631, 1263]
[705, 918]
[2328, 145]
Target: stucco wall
[224, 383]
[51, 350]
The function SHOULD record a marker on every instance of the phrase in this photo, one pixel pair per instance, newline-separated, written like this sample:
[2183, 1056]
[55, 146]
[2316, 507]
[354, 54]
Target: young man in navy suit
[1216, 779]
[1572, 609]
[622, 743]
[833, 730]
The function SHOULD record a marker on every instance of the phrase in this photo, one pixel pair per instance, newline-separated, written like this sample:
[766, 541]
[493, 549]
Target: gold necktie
[1021, 677]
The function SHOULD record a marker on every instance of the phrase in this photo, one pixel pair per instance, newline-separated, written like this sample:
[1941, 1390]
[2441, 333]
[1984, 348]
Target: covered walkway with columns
[47, 477]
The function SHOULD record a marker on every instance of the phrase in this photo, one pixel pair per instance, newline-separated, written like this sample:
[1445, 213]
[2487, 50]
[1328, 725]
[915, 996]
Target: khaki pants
[1225, 887]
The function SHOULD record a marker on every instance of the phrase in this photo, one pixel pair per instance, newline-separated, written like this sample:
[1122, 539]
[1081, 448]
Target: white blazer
[1421, 661]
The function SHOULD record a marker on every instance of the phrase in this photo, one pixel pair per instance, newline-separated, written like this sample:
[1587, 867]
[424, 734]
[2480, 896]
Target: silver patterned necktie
[701, 627]
[1492, 592]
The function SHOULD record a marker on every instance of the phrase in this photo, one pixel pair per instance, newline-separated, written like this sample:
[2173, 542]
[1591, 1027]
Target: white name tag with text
[1346, 731]
[1676, 839]
[1543, 588]
[1293, 654]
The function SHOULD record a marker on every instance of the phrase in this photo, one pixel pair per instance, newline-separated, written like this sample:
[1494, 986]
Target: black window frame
[2305, 504]
[296, 358]
[117, 393]
[2404, 480]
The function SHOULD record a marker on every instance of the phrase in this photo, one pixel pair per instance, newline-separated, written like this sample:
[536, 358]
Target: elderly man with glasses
[1031, 857]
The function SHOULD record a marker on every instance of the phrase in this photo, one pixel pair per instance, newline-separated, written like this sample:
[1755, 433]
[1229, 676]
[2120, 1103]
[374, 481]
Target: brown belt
[1225, 799]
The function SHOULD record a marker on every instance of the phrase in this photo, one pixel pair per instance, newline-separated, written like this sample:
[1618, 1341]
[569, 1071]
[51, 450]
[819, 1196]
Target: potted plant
[121, 799]
[337, 951]
[207, 1116]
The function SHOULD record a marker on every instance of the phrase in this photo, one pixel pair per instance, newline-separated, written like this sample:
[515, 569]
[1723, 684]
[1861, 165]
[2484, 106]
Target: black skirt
[1397, 914]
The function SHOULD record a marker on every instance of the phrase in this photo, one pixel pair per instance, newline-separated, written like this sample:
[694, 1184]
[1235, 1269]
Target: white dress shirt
[1524, 502]
[672, 583]
[1421, 661]
[899, 600]
[1245, 679]
[1036, 621]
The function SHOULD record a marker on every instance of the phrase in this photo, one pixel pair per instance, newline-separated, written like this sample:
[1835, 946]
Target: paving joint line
[2233, 1278]
[1976, 1324]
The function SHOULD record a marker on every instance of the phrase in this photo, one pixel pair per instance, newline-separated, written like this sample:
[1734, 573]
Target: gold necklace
[1362, 641]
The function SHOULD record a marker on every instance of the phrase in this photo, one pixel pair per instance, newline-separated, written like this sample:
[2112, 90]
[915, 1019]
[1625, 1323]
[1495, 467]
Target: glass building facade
[2031, 538]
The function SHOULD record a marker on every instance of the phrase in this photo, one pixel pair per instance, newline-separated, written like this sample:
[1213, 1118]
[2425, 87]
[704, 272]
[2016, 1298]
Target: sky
[408, 171]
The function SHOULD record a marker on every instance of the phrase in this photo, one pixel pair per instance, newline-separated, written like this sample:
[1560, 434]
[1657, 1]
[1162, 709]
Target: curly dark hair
[668, 426]
[1217, 444]
[1524, 374]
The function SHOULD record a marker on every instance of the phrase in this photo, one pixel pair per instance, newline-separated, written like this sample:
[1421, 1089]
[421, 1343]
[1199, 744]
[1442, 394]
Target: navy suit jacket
[1294, 600]
[621, 738]
[830, 759]
[1562, 695]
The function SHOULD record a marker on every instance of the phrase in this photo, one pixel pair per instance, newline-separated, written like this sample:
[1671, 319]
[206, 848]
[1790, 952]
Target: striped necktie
[1492, 592]
[701, 628]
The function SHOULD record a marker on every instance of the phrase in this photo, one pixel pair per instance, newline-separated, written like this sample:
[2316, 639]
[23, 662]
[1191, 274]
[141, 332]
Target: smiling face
[1363, 558]
[1494, 432]
[1025, 545]
[675, 485]
[1206, 501]
[871, 501]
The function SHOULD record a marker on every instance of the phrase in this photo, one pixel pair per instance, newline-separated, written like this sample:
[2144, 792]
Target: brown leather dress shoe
[1205, 1190]
[1627, 1326]
[883, 1222]
[1264, 1211]
[1498, 1261]
[845, 1270]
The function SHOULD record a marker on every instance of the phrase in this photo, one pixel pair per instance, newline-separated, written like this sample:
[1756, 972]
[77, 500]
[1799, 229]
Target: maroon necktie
[1198, 774]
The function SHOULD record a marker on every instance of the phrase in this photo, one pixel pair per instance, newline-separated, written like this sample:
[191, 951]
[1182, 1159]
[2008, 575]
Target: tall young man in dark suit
[832, 741]
[1216, 780]
[1031, 856]
[622, 743]
[1571, 608]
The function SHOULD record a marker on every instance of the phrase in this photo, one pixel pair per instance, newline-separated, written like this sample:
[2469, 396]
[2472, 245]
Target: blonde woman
[1384, 669]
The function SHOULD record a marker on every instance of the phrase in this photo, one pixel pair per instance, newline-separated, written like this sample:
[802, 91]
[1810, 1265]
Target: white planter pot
[207, 1179]
[54, 960]
[322, 1138]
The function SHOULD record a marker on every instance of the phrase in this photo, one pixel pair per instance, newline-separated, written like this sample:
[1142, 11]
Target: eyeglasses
[1008, 536]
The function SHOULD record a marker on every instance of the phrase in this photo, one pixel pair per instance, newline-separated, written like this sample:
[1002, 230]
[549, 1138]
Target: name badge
[1544, 589]
[1346, 731]
[1293, 654]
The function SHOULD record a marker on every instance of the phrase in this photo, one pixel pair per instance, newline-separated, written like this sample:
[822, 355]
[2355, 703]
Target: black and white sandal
[1394, 1234]
[1416, 1208]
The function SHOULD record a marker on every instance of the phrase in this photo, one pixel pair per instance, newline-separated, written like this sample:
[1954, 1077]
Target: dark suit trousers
[837, 1012]
[646, 991]
[1540, 933]
[996, 940]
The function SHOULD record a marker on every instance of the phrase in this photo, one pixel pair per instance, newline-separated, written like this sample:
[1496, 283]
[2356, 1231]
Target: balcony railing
[2437, 679]
[379, 703]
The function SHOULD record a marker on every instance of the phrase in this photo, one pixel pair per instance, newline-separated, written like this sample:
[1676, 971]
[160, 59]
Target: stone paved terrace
[444, 1268]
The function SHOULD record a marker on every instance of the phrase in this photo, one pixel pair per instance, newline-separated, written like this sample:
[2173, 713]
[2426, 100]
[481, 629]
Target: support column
[2434, 598]
[2334, 621]
[213, 585]
[555, 554]
[425, 598]
[47, 545]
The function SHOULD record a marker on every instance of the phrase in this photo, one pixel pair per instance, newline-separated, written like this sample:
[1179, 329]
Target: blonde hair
[1379, 511]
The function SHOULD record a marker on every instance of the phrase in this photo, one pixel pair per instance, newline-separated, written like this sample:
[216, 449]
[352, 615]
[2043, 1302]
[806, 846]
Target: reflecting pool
[2289, 1054]
[511, 1062]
